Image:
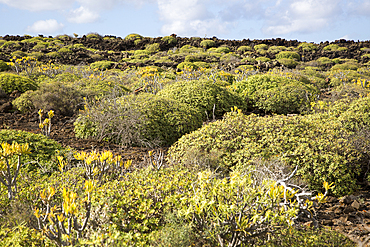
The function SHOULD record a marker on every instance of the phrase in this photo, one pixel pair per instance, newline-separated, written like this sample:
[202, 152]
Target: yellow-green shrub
[3, 66]
[203, 95]
[288, 54]
[317, 144]
[276, 94]
[10, 82]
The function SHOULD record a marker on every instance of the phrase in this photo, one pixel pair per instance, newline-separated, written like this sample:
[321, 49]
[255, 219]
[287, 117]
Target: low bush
[287, 62]
[10, 82]
[317, 144]
[101, 65]
[191, 65]
[276, 94]
[288, 54]
[169, 40]
[207, 43]
[4, 66]
[223, 49]
[64, 50]
[159, 120]
[334, 47]
[43, 149]
[203, 95]
[307, 46]
[345, 66]
[244, 48]
[62, 98]
[133, 36]
[153, 48]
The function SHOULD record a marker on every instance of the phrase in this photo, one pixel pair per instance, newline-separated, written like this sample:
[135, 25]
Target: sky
[303, 20]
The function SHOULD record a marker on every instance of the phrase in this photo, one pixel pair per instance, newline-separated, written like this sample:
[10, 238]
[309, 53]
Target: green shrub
[207, 43]
[307, 46]
[202, 65]
[287, 62]
[10, 82]
[203, 95]
[169, 40]
[41, 46]
[324, 60]
[19, 54]
[133, 36]
[21, 235]
[193, 58]
[223, 49]
[244, 48]
[230, 57]
[101, 65]
[334, 47]
[263, 59]
[182, 65]
[53, 54]
[345, 66]
[24, 102]
[276, 94]
[153, 48]
[260, 47]
[276, 49]
[288, 54]
[161, 119]
[42, 148]
[64, 50]
[11, 45]
[61, 98]
[317, 144]
[4, 66]
[93, 36]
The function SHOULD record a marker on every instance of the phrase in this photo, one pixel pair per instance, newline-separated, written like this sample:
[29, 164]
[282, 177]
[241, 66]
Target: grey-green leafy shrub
[263, 59]
[61, 98]
[164, 120]
[276, 94]
[64, 50]
[334, 47]
[4, 66]
[345, 66]
[276, 49]
[203, 95]
[42, 148]
[244, 48]
[207, 43]
[187, 64]
[152, 48]
[307, 46]
[10, 82]
[169, 39]
[317, 144]
[287, 62]
[223, 49]
[288, 54]
[101, 65]
[133, 36]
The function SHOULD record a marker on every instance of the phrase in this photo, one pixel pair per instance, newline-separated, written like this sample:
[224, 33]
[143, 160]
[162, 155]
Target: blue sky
[303, 20]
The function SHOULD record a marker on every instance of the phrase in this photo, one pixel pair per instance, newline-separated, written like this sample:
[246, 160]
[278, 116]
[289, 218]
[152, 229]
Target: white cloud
[45, 27]
[39, 5]
[302, 16]
[82, 15]
[190, 18]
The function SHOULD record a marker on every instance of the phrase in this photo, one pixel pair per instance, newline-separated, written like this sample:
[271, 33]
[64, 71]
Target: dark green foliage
[10, 82]
[316, 143]
[203, 95]
[61, 98]
[101, 65]
[288, 54]
[276, 94]
[169, 39]
[42, 148]
[3, 66]
[207, 43]
[287, 62]
[166, 119]
[187, 64]
[157, 120]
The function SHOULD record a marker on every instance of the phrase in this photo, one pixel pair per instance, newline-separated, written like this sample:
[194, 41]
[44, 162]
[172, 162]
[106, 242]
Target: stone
[355, 204]
[348, 209]
[346, 200]
[7, 107]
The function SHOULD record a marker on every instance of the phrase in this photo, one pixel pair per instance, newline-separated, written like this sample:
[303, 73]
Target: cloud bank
[45, 26]
[213, 17]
